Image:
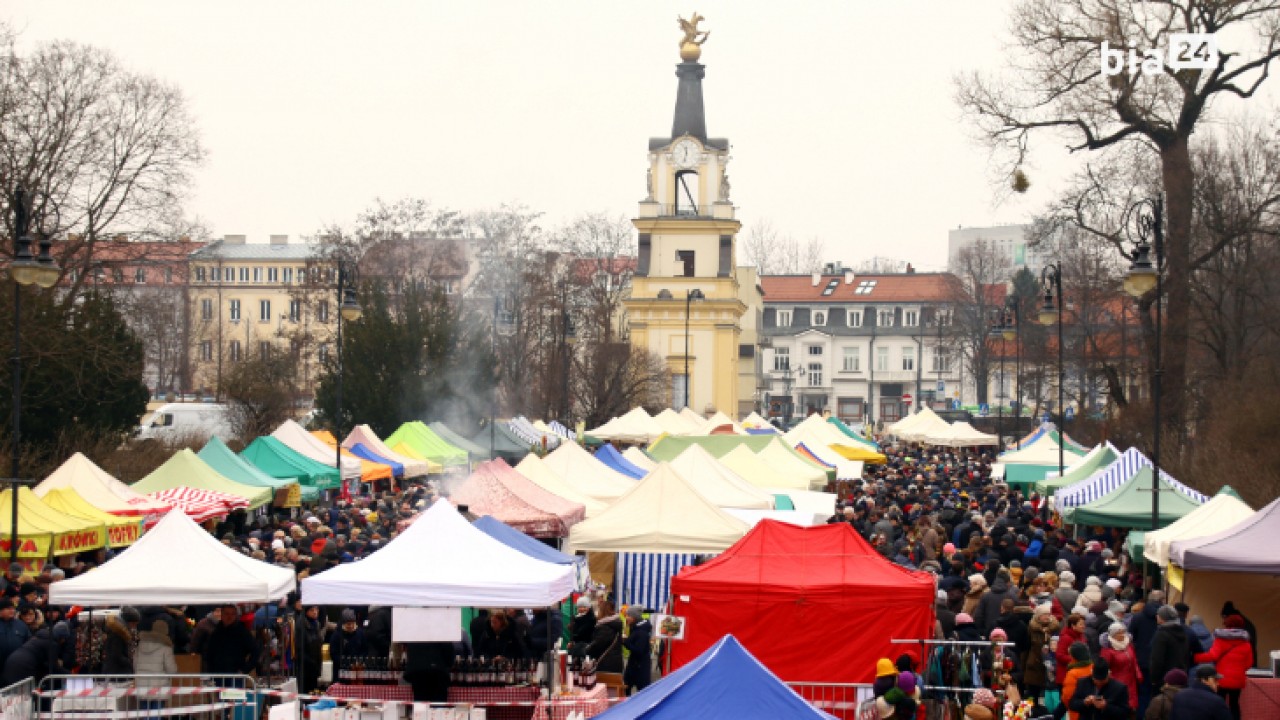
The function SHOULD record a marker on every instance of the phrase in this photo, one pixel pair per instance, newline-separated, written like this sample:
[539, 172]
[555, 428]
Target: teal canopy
[278, 460]
[218, 456]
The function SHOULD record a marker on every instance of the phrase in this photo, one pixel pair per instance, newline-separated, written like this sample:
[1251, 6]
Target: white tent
[634, 427]
[1042, 451]
[960, 434]
[176, 563]
[760, 472]
[442, 561]
[722, 486]
[544, 477]
[662, 514]
[673, 423]
[721, 420]
[818, 436]
[1222, 512]
[364, 435]
[586, 474]
[915, 426]
[98, 488]
[304, 443]
[756, 421]
[779, 455]
[636, 456]
[693, 418]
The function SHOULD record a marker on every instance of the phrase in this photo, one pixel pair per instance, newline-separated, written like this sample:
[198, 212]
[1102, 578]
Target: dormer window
[784, 318]
[819, 318]
[855, 318]
[885, 318]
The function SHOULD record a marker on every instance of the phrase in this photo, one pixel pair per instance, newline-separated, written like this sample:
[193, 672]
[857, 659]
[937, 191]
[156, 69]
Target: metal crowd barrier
[15, 700]
[844, 700]
[126, 697]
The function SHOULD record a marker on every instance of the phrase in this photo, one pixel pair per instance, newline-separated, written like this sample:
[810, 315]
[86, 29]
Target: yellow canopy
[853, 452]
[43, 531]
[433, 467]
[121, 531]
[369, 471]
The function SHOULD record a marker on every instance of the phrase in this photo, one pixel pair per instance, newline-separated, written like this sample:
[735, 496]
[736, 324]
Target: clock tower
[684, 302]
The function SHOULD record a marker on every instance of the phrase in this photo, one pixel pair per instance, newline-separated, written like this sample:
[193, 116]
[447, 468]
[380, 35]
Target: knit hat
[1167, 613]
[894, 696]
[984, 697]
[130, 614]
[1116, 629]
[1093, 580]
[1044, 609]
[977, 579]
[1062, 566]
[1234, 622]
[1228, 608]
[1176, 677]
[885, 666]
[948, 549]
[61, 630]
[1079, 651]
[348, 615]
[964, 618]
[998, 634]
[907, 683]
[1067, 579]
[1114, 584]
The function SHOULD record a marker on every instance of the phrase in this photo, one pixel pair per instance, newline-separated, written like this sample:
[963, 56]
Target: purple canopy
[1245, 547]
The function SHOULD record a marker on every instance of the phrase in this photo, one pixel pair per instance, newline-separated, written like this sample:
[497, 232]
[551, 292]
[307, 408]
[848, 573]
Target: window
[908, 358]
[264, 349]
[865, 287]
[323, 352]
[200, 273]
[910, 318]
[852, 359]
[206, 309]
[782, 359]
[206, 350]
[117, 275]
[784, 318]
[257, 275]
[855, 318]
[140, 275]
[819, 318]
[830, 288]
[885, 318]
[235, 351]
[322, 311]
[815, 350]
[678, 398]
[235, 311]
[882, 359]
[941, 360]
[286, 275]
[264, 311]
[244, 274]
[295, 310]
[450, 287]
[684, 262]
[215, 274]
[273, 275]
[850, 409]
[815, 374]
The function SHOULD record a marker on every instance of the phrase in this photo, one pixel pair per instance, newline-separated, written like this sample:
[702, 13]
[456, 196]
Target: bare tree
[978, 298]
[773, 253]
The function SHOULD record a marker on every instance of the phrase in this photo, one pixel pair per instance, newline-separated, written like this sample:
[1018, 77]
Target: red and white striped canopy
[200, 505]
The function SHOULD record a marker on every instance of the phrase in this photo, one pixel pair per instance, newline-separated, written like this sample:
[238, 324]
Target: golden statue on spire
[691, 43]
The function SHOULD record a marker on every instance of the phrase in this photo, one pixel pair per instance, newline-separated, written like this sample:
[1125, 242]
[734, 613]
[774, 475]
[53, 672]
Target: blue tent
[610, 456]
[726, 682]
[360, 451]
[516, 540]
[762, 431]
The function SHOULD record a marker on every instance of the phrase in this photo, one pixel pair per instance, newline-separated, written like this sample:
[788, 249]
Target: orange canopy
[369, 471]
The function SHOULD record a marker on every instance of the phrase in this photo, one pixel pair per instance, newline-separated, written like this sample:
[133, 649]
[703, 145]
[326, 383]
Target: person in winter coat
[347, 641]
[583, 623]
[1232, 655]
[1081, 667]
[1073, 632]
[1175, 681]
[1142, 627]
[966, 630]
[155, 654]
[1200, 701]
[1202, 633]
[305, 622]
[544, 624]
[1229, 609]
[1066, 594]
[500, 639]
[606, 640]
[13, 632]
[377, 631]
[1171, 647]
[230, 649]
[39, 656]
[988, 610]
[1120, 657]
[1092, 593]
[117, 648]
[637, 673]
[1035, 675]
[1014, 625]
[1099, 696]
[977, 588]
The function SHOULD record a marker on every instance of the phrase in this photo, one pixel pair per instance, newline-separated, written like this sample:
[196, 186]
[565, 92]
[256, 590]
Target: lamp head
[1048, 311]
[351, 310]
[1143, 275]
[1009, 332]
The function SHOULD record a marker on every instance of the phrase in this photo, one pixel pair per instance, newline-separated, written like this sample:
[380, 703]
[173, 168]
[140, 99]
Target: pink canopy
[200, 505]
[494, 488]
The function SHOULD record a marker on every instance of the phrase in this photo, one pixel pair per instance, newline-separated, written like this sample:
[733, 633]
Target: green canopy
[186, 469]
[1135, 545]
[1097, 459]
[418, 436]
[279, 460]
[1129, 506]
[848, 431]
[232, 466]
[458, 441]
[666, 448]
[783, 502]
[505, 443]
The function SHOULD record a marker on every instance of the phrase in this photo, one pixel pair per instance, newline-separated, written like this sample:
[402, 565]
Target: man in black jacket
[1171, 646]
[1098, 697]
[1200, 701]
[39, 657]
[230, 649]
[637, 673]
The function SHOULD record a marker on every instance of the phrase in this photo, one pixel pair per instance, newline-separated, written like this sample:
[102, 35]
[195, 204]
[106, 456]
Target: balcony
[711, 211]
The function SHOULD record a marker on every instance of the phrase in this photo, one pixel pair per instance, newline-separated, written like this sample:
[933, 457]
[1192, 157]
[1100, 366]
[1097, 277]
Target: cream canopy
[960, 434]
[586, 474]
[533, 468]
[637, 457]
[722, 486]
[1223, 511]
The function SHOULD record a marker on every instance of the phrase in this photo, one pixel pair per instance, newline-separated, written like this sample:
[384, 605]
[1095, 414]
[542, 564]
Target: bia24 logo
[1185, 51]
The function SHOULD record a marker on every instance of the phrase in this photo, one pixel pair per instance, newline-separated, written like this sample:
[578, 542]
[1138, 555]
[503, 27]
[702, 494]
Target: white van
[186, 420]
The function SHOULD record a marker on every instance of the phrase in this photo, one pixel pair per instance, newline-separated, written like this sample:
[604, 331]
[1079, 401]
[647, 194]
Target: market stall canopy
[43, 531]
[302, 442]
[440, 560]
[808, 501]
[364, 435]
[756, 421]
[847, 470]
[447, 434]
[122, 530]
[279, 461]
[493, 488]
[531, 436]
[959, 434]
[370, 471]
[429, 445]
[721, 423]
[535, 549]
[853, 434]
[1129, 506]
[636, 426]
[100, 489]
[693, 418]
[176, 563]
[673, 423]
[717, 483]
[405, 451]
[1097, 459]
[186, 469]
[1047, 428]
[506, 444]
[1224, 511]
[218, 456]
[640, 459]
[917, 425]
[777, 454]
[831, 447]
[1246, 547]
[667, 448]
[663, 513]
[364, 453]
[725, 682]
[753, 517]
[609, 455]
[200, 505]
[761, 473]
[544, 477]
[1103, 482]
[1031, 464]
[586, 474]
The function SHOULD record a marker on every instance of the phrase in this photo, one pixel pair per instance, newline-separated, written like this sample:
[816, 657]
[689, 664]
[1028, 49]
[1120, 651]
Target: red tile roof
[902, 287]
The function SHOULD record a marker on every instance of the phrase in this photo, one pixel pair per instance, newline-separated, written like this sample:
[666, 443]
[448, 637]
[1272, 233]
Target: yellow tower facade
[685, 304]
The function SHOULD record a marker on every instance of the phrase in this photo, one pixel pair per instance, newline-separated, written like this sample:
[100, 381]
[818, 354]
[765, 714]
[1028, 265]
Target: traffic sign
[1070, 413]
[1046, 417]
[984, 409]
[906, 397]
[942, 386]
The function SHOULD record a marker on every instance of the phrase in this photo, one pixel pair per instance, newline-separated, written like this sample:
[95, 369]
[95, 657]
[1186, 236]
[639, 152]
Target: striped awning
[200, 505]
[1106, 480]
[644, 579]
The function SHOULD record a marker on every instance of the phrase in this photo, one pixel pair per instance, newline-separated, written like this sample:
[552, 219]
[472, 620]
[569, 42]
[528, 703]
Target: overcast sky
[840, 113]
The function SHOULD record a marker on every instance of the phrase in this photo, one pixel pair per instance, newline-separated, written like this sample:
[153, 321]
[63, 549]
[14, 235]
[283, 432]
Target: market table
[385, 693]
[589, 702]
[1260, 699]
[493, 698]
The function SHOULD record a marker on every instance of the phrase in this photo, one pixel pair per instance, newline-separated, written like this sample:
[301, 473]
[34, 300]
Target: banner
[1175, 576]
[123, 535]
[29, 546]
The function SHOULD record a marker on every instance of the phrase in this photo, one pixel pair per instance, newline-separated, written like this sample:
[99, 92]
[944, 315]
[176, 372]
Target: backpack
[1033, 551]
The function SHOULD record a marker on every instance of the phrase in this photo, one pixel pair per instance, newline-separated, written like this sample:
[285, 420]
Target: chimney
[279, 239]
[910, 270]
[233, 239]
[848, 277]
[817, 278]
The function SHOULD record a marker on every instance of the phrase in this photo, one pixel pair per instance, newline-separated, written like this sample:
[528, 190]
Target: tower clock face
[686, 153]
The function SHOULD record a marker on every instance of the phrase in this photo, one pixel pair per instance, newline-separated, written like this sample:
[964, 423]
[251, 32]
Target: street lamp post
[689, 297]
[998, 330]
[349, 310]
[1013, 331]
[1051, 312]
[1143, 277]
[25, 269]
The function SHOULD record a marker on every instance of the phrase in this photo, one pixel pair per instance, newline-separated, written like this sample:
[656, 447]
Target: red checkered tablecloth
[590, 702]
[492, 698]
[398, 693]
[1260, 699]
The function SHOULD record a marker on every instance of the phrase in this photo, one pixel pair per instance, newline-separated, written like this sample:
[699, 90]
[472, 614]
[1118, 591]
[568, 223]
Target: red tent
[813, 604]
